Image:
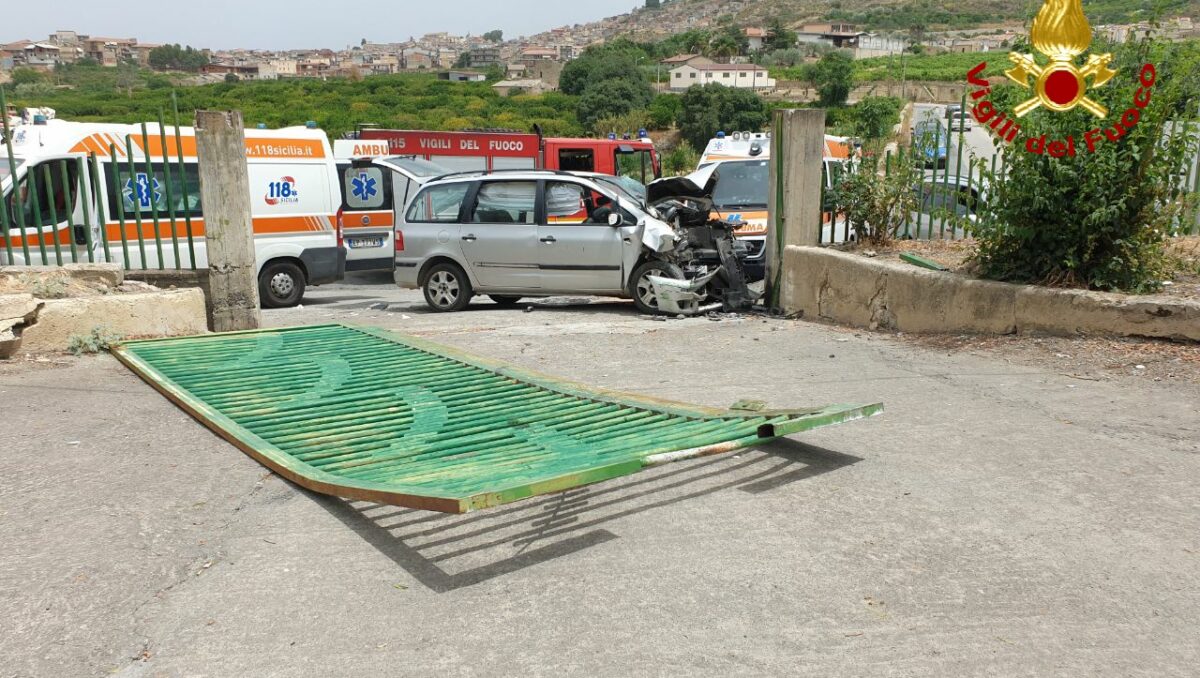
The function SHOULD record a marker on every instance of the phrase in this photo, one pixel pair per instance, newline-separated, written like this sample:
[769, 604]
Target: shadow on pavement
[448, 552]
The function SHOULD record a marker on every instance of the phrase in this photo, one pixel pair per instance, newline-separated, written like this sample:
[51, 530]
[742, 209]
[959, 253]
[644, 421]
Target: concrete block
[165, 313]
[109, 275]
[17, 311]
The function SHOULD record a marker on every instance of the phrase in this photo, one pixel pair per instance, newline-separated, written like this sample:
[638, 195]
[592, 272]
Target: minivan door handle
[549, 239]
[470, 237]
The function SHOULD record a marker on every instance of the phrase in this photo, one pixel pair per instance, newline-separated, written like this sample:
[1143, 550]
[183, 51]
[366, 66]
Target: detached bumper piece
[362, 413]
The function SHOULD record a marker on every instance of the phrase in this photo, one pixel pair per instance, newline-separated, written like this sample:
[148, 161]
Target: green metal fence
[951, 190]
[131, 203]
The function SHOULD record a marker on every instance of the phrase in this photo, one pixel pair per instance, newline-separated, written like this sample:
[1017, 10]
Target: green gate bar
[166, 161]
[153, 203]
[49, 179]
[363, 413]
[136, 198]
[119, 200]
[187, 203]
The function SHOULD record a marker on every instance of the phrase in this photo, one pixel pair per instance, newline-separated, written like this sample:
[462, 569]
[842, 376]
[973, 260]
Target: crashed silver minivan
[536, 233]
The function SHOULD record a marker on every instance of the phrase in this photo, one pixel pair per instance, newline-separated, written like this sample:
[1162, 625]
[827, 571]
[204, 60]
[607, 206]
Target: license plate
[363, 243]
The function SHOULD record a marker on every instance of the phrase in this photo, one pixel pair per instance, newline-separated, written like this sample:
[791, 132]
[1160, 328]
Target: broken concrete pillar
[228, 228]
[794, 213]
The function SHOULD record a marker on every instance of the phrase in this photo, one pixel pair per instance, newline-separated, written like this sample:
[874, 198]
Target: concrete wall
[882, 294]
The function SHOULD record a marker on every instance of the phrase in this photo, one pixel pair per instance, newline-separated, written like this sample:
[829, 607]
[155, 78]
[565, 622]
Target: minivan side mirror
[614, 219]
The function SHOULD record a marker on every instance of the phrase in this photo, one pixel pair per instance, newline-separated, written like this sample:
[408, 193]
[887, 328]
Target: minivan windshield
[626, 187]
[742, 184]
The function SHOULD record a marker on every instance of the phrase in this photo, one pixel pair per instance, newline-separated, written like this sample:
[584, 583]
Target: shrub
[1097, 220]
[680, 160]
[99, 339]
[876, 199]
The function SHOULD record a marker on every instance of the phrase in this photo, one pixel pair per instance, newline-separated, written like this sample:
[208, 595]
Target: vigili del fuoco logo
[1060, 33]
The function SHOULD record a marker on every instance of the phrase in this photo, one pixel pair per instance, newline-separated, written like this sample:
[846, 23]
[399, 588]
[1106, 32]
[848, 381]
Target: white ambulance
[741, 193]
[375, 186]
[130, 194]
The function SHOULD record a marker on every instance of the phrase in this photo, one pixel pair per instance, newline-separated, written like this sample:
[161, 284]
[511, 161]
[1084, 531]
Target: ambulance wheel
[281, 284]
[640, 289]
[504, 300]
[446, 288]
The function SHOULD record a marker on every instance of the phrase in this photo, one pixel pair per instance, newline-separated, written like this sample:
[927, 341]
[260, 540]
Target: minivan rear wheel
[447, 288]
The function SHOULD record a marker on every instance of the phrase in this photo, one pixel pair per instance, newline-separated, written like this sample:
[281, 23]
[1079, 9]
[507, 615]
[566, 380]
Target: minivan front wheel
[640, 289]
[446, 288]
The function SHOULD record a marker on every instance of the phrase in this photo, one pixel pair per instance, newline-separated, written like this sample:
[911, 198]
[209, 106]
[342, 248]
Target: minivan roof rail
[467, 173]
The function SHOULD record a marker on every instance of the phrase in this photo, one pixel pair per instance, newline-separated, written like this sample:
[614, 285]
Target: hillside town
[533, 63]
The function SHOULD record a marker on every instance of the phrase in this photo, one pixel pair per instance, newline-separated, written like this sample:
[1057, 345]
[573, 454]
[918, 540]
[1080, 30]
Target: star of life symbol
[363, 186]
[1060, 32]
[146, 189]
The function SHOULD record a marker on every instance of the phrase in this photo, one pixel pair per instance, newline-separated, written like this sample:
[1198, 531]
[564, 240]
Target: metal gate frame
[737, 428]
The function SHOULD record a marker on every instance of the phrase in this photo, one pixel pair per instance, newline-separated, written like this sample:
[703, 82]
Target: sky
[294, 24]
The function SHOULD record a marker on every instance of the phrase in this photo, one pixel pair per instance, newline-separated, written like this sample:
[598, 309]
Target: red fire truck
[467, 151]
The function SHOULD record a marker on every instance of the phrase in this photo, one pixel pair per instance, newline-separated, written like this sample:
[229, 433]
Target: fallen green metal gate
[365, 414]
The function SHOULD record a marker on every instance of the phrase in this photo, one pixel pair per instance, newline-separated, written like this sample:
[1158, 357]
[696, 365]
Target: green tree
[463, 60]
[833, 76]
[707, 109]
[664, 110]
[875, 117]
[780, 36]
[494, 36]
[26, 76]
[176, 58]
[612, 98]
[653, 4]
[232, 78]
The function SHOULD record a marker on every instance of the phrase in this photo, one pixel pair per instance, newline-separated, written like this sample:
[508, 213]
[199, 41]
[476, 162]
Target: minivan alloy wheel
[445, 289]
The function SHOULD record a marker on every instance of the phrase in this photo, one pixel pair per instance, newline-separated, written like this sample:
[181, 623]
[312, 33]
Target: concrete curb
[877, 294]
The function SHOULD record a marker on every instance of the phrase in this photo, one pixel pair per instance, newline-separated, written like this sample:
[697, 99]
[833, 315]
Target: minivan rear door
[499, 234]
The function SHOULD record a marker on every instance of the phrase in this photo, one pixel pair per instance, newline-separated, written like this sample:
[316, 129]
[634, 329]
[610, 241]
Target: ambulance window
[148, 192]
[4, 166]
[366, 188]
[577, 160]
[50, 197]
[438, 204]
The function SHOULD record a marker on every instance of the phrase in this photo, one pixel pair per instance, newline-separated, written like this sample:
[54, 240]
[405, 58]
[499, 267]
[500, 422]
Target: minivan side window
[505, 202]
[438, 204]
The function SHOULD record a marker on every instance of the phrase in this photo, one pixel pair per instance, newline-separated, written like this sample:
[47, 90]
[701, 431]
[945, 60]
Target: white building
[747, 76]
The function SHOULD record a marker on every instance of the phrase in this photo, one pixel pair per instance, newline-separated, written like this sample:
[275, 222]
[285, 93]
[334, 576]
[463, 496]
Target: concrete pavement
[997, 520]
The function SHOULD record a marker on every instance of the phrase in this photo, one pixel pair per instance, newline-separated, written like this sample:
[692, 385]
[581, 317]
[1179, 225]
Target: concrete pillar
[794, 214]
[228, 228]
